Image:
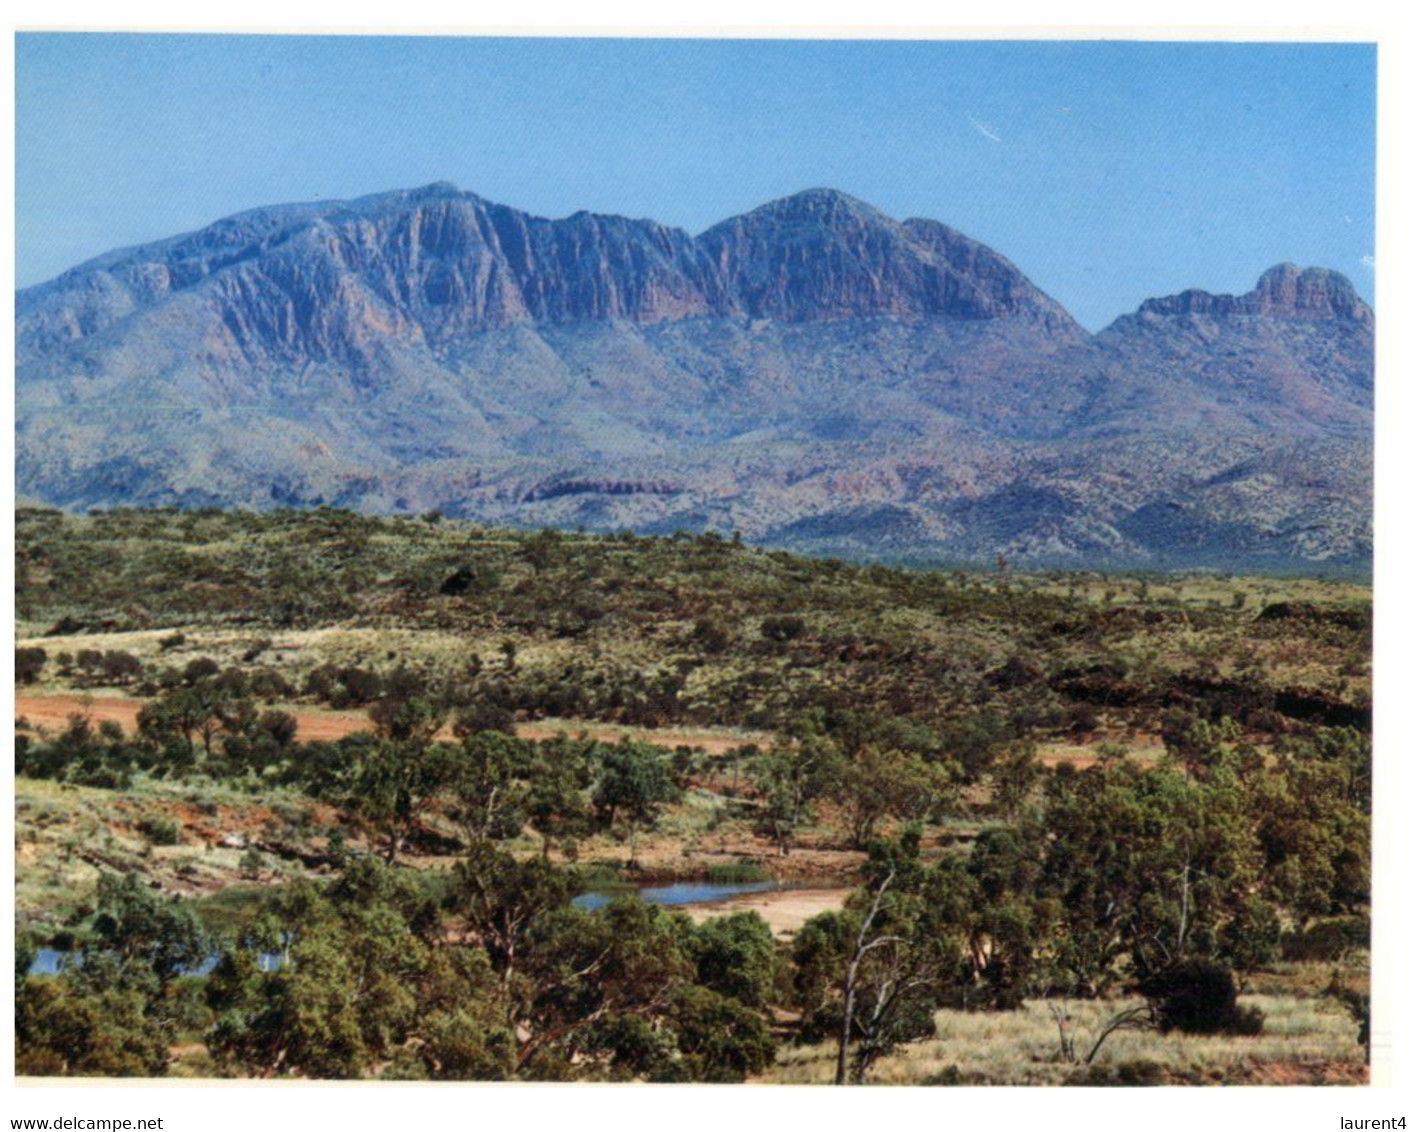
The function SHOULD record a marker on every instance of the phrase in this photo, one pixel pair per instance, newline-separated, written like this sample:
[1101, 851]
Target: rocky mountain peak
[825, 206]
[823, 254]
[1288, 291]
[439, 189]
[1285, 291]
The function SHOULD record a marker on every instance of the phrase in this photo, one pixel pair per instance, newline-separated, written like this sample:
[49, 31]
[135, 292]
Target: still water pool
[49, 961]
[681, 892]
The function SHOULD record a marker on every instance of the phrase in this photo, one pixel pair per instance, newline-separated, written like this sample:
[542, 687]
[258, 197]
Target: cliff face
[814, 373]
[320, 283]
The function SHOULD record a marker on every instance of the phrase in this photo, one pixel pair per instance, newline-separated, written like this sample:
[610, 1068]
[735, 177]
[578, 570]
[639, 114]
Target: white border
[214, 1108]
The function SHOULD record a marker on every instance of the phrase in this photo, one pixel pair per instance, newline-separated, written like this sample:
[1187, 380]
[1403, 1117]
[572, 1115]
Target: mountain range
[813, 374]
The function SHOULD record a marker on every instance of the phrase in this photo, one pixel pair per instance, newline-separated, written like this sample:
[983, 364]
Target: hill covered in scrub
[691, 629]
[814, 374]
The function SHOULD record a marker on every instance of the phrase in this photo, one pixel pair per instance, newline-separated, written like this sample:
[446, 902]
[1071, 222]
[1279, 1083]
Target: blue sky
[1108, 172]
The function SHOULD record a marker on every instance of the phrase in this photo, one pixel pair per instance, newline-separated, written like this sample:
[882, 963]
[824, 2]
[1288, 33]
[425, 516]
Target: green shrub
[1327, 941]
[160, 831]
[1197, 996]
[1142, 1072]
[29, 663]
[252, 863]
[742, 872]
[783, 629]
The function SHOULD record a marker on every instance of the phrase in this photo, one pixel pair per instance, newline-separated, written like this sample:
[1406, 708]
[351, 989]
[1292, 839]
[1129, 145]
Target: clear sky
[1108, 172]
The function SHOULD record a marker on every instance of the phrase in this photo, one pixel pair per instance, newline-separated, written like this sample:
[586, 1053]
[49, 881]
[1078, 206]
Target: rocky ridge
[813, 373]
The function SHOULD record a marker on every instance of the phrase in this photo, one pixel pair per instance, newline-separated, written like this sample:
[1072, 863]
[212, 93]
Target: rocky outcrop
[1293, 355]
[1283, 292]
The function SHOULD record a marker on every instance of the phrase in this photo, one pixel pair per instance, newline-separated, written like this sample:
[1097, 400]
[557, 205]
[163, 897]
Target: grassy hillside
[683, 630]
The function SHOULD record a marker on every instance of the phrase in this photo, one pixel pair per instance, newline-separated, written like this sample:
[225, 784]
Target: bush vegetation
[904, 717]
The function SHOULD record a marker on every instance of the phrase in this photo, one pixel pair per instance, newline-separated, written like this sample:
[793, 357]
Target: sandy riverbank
[784, 911]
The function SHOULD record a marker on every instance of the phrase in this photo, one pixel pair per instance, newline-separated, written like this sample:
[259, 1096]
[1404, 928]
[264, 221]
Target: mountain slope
[1294, 353]
[813, 373]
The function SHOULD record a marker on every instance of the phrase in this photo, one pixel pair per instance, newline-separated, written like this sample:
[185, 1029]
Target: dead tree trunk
[848, 986]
